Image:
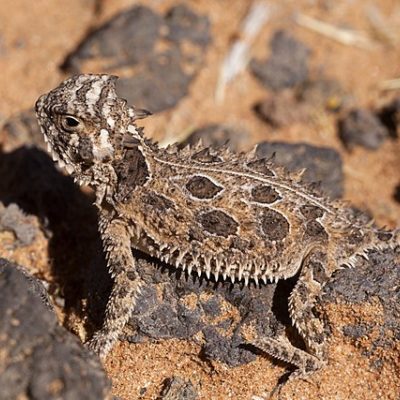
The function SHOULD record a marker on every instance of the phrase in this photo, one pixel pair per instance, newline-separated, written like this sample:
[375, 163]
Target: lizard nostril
[39, 103]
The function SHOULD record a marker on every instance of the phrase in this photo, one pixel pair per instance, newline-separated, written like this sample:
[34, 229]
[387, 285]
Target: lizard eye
[70, 123]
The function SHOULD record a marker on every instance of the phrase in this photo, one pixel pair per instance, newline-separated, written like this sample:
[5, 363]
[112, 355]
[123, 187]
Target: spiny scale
[231, 216]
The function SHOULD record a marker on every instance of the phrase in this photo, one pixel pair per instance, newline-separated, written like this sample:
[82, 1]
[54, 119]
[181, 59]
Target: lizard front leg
[126, 287]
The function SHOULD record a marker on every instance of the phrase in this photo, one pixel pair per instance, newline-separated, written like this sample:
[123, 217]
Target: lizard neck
[131, 168]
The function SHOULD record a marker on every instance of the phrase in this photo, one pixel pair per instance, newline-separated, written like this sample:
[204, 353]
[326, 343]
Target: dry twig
[345, 36]
[238, 56]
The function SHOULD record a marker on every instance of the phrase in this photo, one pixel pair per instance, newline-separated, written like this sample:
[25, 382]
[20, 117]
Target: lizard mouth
[54, 155]
[72, 170]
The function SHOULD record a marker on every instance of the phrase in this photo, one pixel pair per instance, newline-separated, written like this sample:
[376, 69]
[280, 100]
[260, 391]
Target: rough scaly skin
[204, 210]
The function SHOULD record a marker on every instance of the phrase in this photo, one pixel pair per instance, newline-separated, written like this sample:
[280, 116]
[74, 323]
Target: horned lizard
[204, 210]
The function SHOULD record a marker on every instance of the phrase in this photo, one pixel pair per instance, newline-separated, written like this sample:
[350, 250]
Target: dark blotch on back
[202, 187]
[315, 229]
[196, 233]
[132, 172]
[274, 225]
[241, 244]
[265, 194]
[384, 236]
[157, 201]
[262, 166]
[311, 212]
[218, 223]
[355, 237]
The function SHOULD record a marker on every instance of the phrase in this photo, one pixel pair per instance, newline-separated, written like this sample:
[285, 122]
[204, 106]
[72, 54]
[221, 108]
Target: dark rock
[356, 331]
[361, 127]
[152, 52]
[287, 66]
[390, 117]
[282, 109]
[185, 25]
[373, 279]
[175, 305]
[35, 285]
[41, 359]
[166, 319]
[126, 39]
[219, 135]
[322, 164]
[225, 349]
[176, 388]
[161, 84]
[211, 307]
[12, 218]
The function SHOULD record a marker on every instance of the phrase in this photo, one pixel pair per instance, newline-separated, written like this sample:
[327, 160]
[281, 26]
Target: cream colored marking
[104, 135]
[94, 93]
[110, 122]
[74, 140]
[132, 129]
[105, 148]
[106, 109]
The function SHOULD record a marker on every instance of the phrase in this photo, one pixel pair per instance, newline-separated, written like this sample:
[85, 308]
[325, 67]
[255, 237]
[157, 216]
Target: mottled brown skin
[200, 209]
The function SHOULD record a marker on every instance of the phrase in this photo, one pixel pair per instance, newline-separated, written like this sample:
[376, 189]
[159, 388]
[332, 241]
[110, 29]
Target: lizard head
[84, 123]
